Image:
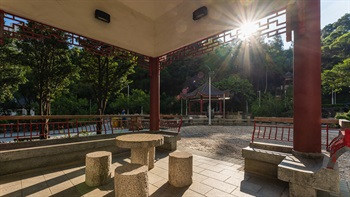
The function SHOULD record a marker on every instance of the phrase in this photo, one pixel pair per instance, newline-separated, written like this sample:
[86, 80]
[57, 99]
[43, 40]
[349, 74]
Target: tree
[181, 74]
[241, 90]
[69, 104]
[335, 42]
[50, 65]
[107, 75]
[336, 78]
[138, 99]
[271, 106]
[51, 70]
[12, 73]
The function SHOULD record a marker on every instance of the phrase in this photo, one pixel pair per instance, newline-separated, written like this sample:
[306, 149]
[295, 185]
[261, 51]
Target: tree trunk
[45, 110]
[99, 123]
[265, 81]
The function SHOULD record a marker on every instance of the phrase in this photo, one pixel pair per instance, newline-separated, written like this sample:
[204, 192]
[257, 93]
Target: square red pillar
[307, 77]
[154, 94]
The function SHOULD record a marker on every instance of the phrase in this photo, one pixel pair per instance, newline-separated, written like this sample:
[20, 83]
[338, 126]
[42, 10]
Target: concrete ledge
[272, 147]
[263, 162]
[37, 143]
[170, 140]
[311, 174]
[16, 157]
[272, 157]
[22, 159]
[306, 173]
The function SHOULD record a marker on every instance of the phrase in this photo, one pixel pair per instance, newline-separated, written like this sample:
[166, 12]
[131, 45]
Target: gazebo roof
[149, 27]
[203, 91]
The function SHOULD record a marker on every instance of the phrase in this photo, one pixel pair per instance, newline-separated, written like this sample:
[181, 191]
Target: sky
[332, 10]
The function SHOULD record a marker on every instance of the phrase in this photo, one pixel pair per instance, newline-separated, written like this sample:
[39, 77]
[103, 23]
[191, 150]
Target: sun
[247, 30]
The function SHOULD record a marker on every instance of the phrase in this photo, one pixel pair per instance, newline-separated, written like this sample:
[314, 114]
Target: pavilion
[160, 32]
[201, 96]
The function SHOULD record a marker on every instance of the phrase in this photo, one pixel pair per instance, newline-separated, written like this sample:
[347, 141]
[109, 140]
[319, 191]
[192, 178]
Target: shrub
[345, 115]
[272, 106]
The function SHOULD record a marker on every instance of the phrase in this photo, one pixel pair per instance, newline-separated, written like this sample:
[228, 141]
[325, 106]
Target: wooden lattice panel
[15, 27]
[20, 28]
[272, 25]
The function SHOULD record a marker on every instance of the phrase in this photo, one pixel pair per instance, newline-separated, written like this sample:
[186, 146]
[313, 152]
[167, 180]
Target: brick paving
[211, 177]
[214, 175]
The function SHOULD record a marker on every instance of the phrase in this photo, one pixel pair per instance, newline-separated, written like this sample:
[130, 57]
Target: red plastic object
[338, 146]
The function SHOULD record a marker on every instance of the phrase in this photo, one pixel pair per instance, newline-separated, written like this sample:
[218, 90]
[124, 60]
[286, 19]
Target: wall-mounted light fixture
[200, 13]
[103, 16]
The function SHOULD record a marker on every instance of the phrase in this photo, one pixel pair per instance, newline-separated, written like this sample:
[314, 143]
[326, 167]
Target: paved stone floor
[211, 177]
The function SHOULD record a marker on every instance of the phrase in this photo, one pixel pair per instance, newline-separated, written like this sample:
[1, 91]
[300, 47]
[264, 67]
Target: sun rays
[247, 30]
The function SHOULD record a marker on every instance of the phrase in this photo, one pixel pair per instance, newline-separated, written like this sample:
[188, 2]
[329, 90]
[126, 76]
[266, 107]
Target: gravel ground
[228, 141]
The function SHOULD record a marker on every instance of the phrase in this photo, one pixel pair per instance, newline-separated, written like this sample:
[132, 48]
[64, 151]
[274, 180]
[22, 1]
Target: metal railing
[28, 128]
[281, 129]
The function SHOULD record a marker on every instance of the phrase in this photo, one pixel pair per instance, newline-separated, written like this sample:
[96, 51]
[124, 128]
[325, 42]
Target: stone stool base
[180, 169]
[131, 180]
[98, 168]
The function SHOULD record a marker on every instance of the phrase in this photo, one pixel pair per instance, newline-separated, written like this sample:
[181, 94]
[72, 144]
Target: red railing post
[327, 130]
[17, 128]
[2, 24]
[254, 131]
[178, 130]
[104, 125]
[67, 120]
[30, 129]
[77, 126]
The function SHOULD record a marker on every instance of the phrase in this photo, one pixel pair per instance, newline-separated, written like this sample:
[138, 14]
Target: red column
[220, 106]
[2, 21]
[201, 106]
[307, 78]
[154, 94]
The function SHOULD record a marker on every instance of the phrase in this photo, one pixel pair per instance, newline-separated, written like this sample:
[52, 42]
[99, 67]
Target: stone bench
[170, 140]
[263, 158]
[180, 169]
[98, 168]
[308, 175]
[305, 176]
[131, 180]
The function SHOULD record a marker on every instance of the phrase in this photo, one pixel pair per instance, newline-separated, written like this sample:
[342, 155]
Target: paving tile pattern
[212, 177]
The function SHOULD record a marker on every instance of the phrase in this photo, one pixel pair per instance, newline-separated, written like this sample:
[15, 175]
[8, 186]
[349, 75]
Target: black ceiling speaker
[103, 16]
[200, 12]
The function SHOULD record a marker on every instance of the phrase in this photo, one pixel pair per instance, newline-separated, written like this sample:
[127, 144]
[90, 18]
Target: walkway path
[215, 174]
[212, 178]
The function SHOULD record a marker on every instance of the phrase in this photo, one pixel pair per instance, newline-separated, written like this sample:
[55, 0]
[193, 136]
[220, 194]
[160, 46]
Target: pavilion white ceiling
[149, 27]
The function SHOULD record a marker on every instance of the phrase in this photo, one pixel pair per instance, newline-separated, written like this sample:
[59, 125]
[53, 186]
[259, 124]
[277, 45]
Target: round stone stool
[98, 168]
[131, 180]
[180, 169]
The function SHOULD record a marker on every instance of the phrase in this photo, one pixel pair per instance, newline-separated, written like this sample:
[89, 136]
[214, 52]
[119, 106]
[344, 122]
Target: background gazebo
[198, 100]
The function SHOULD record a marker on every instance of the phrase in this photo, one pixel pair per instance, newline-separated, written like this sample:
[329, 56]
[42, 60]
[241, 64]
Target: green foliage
[335, 42]
[241, 90]
[68, 104]
[345, 115]
[169, 104]
[272, 106]
[12, 73]
[51, 69]
[337, 78]
[107, 75]
[181, 74]
[137, 99]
